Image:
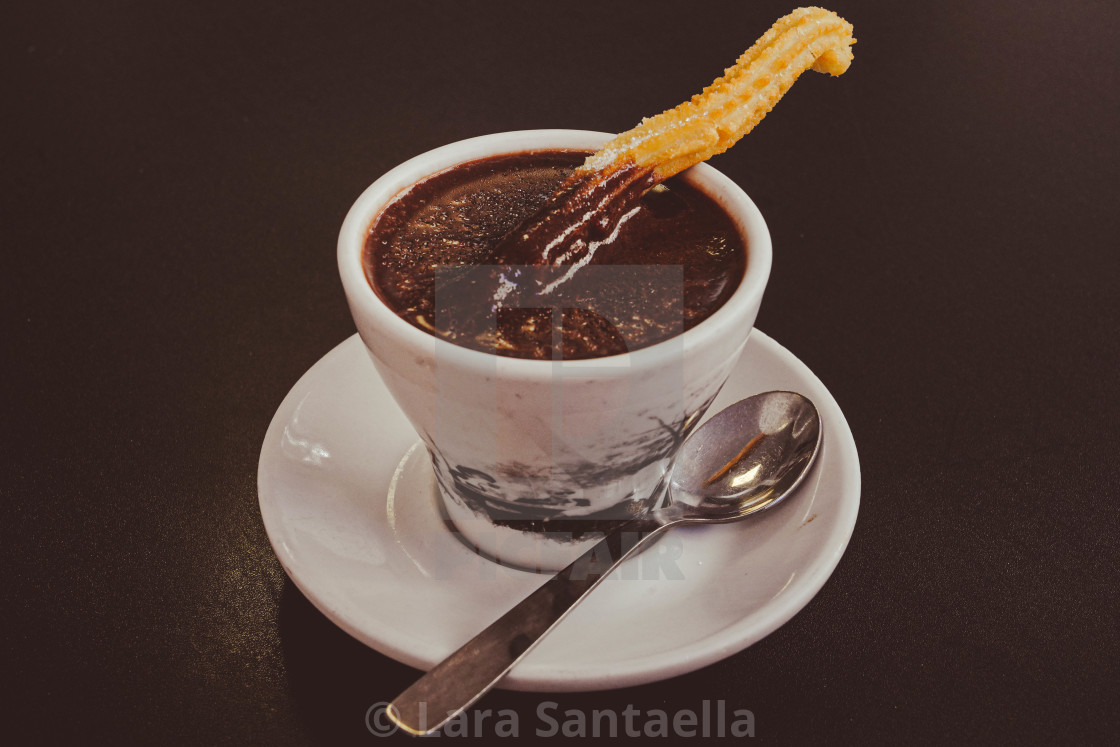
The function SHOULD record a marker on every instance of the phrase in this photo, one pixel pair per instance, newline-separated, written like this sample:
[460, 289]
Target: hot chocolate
[673, 259]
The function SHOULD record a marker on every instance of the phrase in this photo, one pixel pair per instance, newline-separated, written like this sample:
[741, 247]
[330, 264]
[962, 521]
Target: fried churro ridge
[715, 119]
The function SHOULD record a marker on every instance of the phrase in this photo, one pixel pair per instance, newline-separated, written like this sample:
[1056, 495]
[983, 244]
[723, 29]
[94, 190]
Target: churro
[603, 192]
[714, 120]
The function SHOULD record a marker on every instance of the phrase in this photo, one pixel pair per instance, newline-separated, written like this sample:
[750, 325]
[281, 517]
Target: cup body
[534, 459]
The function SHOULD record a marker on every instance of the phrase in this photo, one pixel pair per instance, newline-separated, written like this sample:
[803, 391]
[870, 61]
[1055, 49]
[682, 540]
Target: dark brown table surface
[945, 221]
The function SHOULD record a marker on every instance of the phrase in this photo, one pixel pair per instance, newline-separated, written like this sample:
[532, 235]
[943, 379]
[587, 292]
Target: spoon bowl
[744, 459]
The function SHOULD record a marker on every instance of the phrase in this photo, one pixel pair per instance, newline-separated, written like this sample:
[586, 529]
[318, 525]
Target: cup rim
[365, 301]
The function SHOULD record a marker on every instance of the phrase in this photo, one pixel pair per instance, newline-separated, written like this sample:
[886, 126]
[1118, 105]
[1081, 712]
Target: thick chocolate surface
[673, 259]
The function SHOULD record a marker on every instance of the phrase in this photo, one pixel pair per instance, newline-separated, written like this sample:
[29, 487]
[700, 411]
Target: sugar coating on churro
[714, 120]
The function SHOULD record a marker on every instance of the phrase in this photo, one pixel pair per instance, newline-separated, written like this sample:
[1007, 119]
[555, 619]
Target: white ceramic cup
[535, 458]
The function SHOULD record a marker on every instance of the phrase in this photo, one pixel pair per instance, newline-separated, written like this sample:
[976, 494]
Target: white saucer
[348, 499]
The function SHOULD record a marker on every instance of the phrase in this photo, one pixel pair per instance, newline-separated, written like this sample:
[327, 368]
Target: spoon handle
[469, 673]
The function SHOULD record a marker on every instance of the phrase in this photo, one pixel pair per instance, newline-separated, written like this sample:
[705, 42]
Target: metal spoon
[743, 460]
